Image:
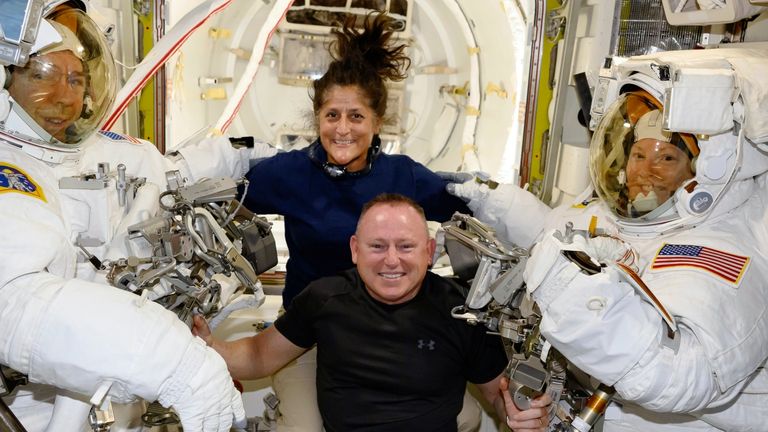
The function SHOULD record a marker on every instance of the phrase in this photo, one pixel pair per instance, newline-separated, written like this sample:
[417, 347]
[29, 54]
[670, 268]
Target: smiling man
[392, 249]
[390, 356]
[52, 88]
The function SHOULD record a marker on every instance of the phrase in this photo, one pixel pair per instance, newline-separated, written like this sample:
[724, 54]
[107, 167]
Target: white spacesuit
[61, 325]
[678, 165]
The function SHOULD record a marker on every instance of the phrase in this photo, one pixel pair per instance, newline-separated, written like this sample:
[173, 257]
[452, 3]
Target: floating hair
[372, 47]
[364, 57]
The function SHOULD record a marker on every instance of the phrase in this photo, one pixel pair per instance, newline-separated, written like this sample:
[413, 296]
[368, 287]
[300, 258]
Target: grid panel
[643, 29]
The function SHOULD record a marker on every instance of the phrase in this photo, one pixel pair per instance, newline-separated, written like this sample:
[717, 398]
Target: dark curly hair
[364, 59]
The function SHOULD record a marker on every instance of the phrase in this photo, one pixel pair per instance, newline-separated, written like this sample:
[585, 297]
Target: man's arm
[252, 357]
[534, 419]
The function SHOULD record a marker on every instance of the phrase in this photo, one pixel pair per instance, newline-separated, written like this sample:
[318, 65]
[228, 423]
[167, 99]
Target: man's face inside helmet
[51, 88]
[64, 92]
[655, 170]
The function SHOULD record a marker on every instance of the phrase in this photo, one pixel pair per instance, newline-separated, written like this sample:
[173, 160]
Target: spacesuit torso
[711, 279]
[83, 210]
[92, 204]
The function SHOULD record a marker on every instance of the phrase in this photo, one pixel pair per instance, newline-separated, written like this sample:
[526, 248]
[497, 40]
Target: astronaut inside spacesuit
[61, 324]
[656, 167]
[693, 213]
[36, 87]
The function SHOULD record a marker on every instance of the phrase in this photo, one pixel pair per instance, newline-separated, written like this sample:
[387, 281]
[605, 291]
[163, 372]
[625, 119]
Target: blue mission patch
[14, 179]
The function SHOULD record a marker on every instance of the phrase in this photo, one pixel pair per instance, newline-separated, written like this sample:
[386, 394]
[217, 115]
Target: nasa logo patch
[700, 202]
[14, 179]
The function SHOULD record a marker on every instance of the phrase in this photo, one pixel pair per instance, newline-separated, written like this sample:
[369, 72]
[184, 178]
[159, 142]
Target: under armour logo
[430, 345]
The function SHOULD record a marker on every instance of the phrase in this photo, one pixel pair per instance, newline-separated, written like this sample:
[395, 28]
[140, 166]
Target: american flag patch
[114, 136]
[724, 265]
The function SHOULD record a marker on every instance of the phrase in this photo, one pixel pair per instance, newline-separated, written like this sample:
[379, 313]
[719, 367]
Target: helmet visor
[66, 89]
[636, 166]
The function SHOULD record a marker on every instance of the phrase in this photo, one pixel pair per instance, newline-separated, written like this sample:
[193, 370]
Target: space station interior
[515, 92]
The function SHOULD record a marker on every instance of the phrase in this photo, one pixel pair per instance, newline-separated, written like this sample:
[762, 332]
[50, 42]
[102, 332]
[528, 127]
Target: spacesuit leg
[128, 416]
[70, 412]
[32, 404]
[471, 414]
[295, 386]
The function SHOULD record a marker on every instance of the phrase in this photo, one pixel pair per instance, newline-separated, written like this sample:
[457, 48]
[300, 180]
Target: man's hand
[534, 419]
[201, 329]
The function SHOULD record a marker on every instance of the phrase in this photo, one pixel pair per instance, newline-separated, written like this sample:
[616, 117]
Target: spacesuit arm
[77, 335]
[607, 330]
[215, 157]
[516, 215]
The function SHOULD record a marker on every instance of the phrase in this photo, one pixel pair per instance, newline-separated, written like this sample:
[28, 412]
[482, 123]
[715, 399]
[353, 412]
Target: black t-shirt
[390, 367]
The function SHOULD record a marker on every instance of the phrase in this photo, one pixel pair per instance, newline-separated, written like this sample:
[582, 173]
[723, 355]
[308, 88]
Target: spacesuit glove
[241, 301]
[455, 176]
[548, 272]
[5, 104]
[471, 187]
[606, 249]
[158, 290]
[260, 151]
[202, 392]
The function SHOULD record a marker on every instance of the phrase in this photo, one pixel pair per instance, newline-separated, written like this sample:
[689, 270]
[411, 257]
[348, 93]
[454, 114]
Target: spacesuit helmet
[636, 165]
[63, 93]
